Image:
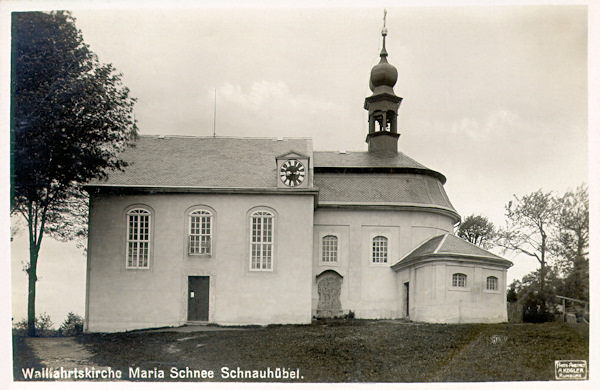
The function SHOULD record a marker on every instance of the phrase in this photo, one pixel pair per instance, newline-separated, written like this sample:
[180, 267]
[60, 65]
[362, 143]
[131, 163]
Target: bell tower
[383, 104]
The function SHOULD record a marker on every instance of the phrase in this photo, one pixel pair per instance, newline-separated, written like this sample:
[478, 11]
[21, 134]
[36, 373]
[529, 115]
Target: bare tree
[530, 227]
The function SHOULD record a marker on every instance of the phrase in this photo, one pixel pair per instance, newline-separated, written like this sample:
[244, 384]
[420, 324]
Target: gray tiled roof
[449, 245]
[388, 188]
[363, 160]
[206, 162]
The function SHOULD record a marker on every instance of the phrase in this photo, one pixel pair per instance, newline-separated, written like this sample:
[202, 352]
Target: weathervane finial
[384, 29]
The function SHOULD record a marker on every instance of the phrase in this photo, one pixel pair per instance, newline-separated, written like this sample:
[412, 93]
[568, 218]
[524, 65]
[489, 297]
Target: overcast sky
[495, 98]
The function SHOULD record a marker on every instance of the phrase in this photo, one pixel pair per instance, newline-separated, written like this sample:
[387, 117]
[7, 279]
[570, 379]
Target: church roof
[364, 160]
[204, 162]
[377, 189]
[449, 246]
[356, 161]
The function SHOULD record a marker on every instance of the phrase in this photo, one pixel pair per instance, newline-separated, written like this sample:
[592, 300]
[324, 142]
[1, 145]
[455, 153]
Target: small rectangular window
[380, 249]
[330, 248]
[491, 283]
[459, 280]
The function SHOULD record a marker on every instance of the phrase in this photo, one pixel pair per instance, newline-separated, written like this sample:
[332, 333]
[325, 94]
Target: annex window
[330, 249]
[459, 280]
[491, 283]
[380, 249]
[261, 241]
[200, 233]
[138, 238]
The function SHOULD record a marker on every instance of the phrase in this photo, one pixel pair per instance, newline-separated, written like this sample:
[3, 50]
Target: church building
[239, 231]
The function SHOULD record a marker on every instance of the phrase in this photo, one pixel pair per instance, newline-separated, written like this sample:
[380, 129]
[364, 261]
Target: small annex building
[239, 231]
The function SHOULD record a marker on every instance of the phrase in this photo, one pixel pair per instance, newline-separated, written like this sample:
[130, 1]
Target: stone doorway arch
[329, 288]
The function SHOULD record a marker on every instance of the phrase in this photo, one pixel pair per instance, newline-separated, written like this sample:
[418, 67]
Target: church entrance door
[329, 287]
[198, 298]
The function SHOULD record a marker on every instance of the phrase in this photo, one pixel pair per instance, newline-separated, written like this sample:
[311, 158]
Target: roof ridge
[412, 159]
[462, 240]
[163, 136]
[419, 246]
[441, 242]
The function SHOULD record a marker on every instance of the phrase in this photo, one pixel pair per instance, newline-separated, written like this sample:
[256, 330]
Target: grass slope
[348, 351]
[356, 351]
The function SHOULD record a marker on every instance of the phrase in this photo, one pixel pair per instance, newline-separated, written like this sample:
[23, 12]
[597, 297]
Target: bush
[72, 326]
[43, 326]
[536, 309]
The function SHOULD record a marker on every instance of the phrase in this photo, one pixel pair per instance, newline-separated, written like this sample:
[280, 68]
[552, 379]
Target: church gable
[293, 170]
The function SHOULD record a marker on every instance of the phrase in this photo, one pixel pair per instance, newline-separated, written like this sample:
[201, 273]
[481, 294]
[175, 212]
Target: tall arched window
[200, 233]
[491, 283]
[459, 280]
[380, 249]
[330, 249]
[138, 238]
[261, 241]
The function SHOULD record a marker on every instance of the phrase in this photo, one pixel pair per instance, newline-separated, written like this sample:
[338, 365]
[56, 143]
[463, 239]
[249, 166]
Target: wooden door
[198, 288]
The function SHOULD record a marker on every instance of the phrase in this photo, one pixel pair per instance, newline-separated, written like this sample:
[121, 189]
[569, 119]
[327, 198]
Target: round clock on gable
[292, 173]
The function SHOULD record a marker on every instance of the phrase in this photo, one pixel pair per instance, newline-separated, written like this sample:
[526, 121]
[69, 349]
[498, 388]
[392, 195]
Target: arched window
[459, 280]
[200, 233]
[380, 249]
[330, 248]
[261, 241]
[138, 238]
[491, 283]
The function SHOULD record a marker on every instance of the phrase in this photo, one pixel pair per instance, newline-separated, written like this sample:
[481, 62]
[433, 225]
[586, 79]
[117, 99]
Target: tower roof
[383, 75]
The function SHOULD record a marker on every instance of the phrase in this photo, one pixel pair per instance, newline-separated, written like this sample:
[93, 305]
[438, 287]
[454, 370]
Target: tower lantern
[383, 104]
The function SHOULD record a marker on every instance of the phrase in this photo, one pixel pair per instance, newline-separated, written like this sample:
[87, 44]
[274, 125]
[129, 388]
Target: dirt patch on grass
[50, 352]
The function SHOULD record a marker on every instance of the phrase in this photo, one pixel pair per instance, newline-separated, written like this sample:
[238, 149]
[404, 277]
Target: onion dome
[383, 75]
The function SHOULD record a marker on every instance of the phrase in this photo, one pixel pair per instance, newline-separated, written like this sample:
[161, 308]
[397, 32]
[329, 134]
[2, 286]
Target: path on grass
[56, 352]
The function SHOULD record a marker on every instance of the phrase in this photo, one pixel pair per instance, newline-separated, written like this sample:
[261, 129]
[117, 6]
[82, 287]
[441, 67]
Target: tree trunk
[543, 263]
[542, 277]
[36, 232]
[32, 273]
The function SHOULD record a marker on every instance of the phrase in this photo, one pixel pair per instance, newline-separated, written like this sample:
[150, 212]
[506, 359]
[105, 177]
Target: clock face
[292, 173]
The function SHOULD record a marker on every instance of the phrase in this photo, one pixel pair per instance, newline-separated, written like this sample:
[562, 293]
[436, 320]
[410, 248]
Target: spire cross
[384, 32]
[384, 16]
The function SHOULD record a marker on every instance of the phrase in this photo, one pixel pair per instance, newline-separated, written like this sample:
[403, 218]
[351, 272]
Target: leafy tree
[72, 326]
[43, 326]
[530, 224]
[70, 116]
[572, 240]
[478, 230]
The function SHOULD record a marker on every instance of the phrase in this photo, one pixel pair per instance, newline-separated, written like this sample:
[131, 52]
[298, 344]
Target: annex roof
[449, 246]
[204, 162]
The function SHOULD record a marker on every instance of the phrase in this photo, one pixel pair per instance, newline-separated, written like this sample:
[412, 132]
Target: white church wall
[122, 299]
[341, 266]
[368, 289]
[437, 300]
